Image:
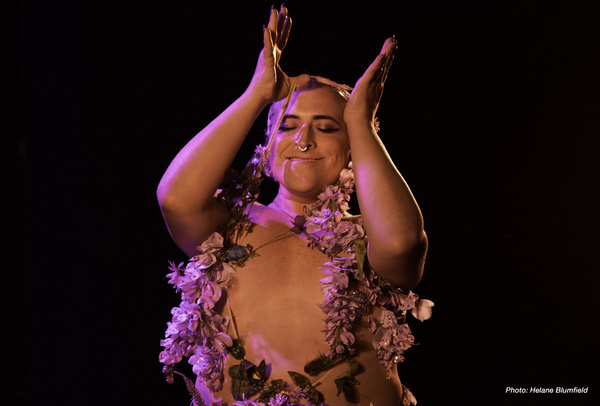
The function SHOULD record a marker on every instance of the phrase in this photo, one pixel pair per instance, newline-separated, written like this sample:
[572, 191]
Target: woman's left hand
[364, 100]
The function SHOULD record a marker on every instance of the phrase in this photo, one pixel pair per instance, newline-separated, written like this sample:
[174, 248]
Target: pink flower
[223, 271]
[328, 193]
[382, 338]
[387, 319]
[222, 341]
[346, 233]
[212, 243]
[211, 293]
[408, 302]
[347, 177]
[193, 272]
[347, 338]
[202, 261]
[422, 310]
[407, 397]
[218, 322]
[175, 272]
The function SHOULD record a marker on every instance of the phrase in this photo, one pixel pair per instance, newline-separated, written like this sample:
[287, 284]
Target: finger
[283, 13]
[285, 33]
[301, 80]
[389, 46]
[273, 24]
[386, 68]
[375, 69]
[267, 44]
[389, 50]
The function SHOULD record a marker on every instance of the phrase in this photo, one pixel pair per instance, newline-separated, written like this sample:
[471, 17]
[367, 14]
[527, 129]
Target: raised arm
[186, 192]
[392, 218]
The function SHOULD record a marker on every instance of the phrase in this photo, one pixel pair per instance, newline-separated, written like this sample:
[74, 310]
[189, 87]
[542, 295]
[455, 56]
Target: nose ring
[303, 149]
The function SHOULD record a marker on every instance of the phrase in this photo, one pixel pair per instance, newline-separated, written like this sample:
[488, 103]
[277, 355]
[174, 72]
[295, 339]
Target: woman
[269, 307]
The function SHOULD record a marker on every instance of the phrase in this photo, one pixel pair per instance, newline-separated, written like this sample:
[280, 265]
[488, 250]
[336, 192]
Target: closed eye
[328, 130]
[286, 128]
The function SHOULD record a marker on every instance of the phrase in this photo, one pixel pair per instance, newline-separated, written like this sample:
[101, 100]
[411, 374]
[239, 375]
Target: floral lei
[197, 331]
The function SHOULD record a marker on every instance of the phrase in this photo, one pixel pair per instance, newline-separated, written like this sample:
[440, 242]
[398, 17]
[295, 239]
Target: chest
[284, 271]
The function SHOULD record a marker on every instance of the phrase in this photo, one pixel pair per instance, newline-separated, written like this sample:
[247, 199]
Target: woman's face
[314, 121]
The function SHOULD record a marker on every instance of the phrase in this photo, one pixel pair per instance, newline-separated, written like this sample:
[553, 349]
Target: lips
[295, 158]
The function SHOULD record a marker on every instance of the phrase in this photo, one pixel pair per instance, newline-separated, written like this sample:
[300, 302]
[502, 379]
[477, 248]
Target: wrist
[360, 123]
[253, 97]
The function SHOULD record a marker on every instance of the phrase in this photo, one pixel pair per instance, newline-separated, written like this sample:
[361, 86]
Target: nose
[305, 139]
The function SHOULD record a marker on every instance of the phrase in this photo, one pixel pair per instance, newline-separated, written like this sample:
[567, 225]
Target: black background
[490, 112]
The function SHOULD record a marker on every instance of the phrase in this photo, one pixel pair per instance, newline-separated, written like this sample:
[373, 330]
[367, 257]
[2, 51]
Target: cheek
[342, 148]
[279, 145]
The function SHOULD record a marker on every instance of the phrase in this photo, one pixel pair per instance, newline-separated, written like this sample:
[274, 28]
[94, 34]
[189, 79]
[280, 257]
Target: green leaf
[240, 382]
[345, 383]
[261, 371]
[314, 396]
[299, 379]
[274, 387]
[354, 365]
[322, 363]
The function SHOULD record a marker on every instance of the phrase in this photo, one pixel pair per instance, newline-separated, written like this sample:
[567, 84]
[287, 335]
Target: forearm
[391, 215]
[197, 171]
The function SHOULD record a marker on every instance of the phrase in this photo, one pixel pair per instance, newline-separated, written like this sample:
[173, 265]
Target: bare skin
[273, 298]
[282, 323]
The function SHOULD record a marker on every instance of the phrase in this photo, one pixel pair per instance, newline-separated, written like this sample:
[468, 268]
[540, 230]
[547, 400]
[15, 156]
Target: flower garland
[351, 290]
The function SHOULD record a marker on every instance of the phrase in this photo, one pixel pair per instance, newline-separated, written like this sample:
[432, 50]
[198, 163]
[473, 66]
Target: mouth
[303, 159]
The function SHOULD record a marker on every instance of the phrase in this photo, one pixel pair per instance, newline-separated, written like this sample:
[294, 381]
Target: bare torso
[273, 300]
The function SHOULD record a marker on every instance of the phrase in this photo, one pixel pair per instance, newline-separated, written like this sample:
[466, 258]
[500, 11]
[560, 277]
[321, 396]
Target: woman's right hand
[269, 82]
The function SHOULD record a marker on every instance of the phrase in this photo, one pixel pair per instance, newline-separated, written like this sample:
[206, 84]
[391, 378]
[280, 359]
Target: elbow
[168, 200]
[402, 263]
[407, 246]
[162, 193]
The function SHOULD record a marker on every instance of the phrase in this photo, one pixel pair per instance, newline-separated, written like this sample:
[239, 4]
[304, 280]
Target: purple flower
[298, 224]
[175, 272]
[222, 271]
[203, 361]
[221, 342]
[211, 293]
[347, 338]
[279, 399]
[203, 260]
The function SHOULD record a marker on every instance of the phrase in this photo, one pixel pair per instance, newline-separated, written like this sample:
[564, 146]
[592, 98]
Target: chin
[307, 186]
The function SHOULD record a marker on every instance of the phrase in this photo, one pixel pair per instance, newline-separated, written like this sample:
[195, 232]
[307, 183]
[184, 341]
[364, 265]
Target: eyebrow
[317, 117]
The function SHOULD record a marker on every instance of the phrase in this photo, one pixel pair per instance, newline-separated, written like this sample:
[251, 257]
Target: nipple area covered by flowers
[198, 332]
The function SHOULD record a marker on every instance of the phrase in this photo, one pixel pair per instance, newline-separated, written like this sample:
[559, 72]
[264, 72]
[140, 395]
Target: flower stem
[274, 239]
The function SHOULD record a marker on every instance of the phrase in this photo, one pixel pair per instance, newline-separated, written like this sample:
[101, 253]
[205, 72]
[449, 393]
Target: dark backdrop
[490, 112]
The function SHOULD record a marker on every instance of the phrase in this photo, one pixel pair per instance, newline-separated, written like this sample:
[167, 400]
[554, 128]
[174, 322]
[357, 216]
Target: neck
[289, 206]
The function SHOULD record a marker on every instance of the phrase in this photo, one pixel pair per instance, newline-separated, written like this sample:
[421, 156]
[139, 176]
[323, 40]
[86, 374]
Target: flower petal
[422, 310]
